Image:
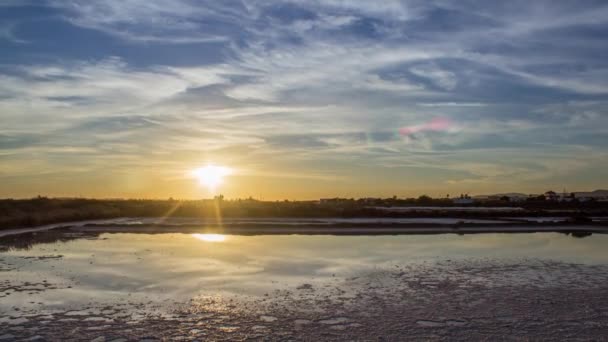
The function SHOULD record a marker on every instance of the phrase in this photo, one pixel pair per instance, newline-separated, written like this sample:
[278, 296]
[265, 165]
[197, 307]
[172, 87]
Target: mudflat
[79, 284]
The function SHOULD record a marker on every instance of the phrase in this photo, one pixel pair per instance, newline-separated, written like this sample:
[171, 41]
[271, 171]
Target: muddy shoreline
[473, 300]
[137, 281]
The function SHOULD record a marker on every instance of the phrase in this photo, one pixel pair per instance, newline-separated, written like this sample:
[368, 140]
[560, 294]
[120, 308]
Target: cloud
[452, 104]
[317, 86]
[108, 84]
[7, 32]
[441, 78]
[147, 21]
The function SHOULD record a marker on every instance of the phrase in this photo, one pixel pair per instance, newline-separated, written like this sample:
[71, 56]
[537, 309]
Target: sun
[211, 176]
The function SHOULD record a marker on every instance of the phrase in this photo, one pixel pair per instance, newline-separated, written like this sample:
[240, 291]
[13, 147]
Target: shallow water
[176, 266]
[108, 277]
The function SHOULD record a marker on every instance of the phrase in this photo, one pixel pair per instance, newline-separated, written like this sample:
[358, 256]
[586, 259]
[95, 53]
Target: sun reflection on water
[210, 237]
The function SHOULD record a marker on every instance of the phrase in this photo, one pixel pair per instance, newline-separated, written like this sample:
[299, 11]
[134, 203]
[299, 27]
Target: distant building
[328, 200]
[551, 196]
[463, 200]
[505, 197]
[597, 195]
[517, 199]
[333, 201]
[566, 197]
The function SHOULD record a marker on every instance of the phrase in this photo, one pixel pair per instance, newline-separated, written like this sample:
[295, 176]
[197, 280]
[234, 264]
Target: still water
[116, 267]
[78, 284]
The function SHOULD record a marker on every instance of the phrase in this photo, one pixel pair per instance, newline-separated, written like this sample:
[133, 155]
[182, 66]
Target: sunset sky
[302, 99]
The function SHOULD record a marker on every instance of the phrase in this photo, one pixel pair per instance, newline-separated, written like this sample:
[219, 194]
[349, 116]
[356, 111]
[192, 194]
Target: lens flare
[435, 125]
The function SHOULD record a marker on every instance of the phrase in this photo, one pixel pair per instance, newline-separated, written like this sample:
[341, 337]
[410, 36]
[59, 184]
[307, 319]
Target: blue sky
[303, 99]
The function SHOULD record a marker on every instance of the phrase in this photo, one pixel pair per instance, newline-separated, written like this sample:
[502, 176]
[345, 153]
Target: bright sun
[211, 176]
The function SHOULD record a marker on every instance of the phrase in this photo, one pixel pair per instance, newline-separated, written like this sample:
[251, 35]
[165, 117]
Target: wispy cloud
[320, 87]
[148, 21]
[7, 32]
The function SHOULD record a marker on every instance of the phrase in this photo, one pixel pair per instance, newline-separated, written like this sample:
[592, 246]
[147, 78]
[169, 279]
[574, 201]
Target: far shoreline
[367, 228]
[45, 211]
[254, 227]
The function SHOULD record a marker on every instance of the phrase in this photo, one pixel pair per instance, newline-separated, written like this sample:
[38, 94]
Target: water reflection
[210, 237]
[28, 240]
[141, 267]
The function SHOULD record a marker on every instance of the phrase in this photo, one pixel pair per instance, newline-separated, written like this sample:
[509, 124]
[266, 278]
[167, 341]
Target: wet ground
[69, 284]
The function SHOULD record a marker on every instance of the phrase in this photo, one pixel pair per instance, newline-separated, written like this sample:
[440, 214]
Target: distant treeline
[42, 210]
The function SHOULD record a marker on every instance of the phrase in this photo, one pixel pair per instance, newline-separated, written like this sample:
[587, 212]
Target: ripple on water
[455, 323]
[268, 319]
[228, 329]
[430, 324]
[77, 313]
[338, 327]
[334, 320]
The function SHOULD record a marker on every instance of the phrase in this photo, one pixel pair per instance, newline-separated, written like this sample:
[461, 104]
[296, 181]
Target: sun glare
[211, 176]
[210, 237]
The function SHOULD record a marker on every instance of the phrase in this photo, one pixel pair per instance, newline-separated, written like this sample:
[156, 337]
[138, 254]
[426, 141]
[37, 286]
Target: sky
[302, 99]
